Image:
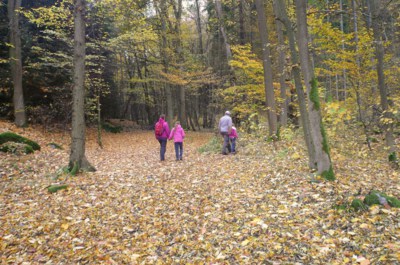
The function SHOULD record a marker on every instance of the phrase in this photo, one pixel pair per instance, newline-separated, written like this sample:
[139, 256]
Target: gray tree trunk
[242, 32]
[16, 62]
[77, 156]
[179, 51]
[268, 82]
[282, 73]
[343, 49]
[163, 10]
[218, 9]
[319, 138]
[199, 28]
[383, 91]
[281, 14]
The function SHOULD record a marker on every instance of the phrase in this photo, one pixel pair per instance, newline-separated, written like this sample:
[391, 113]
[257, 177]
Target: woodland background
[313, 89]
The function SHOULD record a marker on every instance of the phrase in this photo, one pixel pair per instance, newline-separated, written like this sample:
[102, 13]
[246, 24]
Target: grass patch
[213, 146]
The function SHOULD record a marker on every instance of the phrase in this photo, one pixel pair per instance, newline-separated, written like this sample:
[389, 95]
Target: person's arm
[183, 133]
[166, 128]
[229, 126]
[172, 134]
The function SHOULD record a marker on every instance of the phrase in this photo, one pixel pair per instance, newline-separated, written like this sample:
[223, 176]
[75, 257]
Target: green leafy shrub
[213, 146]
[111, 128]
[13, 137]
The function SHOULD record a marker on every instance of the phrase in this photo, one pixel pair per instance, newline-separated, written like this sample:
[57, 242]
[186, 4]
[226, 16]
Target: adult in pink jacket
[162, 139]
[178, 134]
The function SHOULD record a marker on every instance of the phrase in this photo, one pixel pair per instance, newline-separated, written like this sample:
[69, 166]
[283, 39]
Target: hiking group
[163, 134]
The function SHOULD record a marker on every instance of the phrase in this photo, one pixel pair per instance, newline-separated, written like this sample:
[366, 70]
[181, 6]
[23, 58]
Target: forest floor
[260, 206]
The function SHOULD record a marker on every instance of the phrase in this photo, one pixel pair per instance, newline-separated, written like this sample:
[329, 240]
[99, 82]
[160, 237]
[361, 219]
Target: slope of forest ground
[261, 206]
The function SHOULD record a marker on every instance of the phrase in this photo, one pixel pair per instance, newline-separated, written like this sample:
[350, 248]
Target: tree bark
[344, 93]
[199, 28]
[242, 32]
[319, 138]
[380, 53]
[218, 9]
[281, 68]
[281, 13]
[16, 62]
[267, 65]
[77, 157]
[163, 11]
[179, 50]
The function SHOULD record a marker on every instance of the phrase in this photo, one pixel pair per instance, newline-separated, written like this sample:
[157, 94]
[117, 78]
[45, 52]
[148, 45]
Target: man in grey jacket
[225, 126]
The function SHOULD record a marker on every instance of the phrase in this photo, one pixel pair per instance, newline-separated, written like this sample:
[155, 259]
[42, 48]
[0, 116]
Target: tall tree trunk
[343, 50]
[319, 137]
[179, 50]
[357, 85]
[242, 32]
[16, 62]
[282, 16]
[380, 53]
[77, 157]
[199, 28]
[268, 82]
[281, 68]
[165, 58]
[218, 9]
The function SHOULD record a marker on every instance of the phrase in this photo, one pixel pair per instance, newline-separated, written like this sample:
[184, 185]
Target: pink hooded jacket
[166, 131]
[178, 134]
[233, 133]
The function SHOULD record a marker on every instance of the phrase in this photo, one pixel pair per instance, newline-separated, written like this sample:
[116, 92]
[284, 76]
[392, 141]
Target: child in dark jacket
[178, 134]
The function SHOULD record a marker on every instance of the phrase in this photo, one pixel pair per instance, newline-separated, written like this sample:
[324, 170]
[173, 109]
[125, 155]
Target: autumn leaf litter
[261, 206]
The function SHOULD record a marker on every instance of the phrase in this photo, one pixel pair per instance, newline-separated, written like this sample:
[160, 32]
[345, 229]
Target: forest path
[236, 209]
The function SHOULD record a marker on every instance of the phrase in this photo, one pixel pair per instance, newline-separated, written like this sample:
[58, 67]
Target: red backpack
[159, 128]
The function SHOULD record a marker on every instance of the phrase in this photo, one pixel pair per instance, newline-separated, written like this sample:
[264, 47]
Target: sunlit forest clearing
[93, 91]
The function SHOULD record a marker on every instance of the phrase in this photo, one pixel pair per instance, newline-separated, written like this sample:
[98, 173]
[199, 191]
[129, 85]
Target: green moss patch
[55, 146]
[16, 148]
[328, 174]
[13, 137]
[314, 96]
[393, 157]
[373, 198]
[55, 188]
[358, 205]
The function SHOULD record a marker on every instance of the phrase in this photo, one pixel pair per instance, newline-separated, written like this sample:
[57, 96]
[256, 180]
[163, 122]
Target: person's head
[162, 116]
[228, 113]
[177, 123]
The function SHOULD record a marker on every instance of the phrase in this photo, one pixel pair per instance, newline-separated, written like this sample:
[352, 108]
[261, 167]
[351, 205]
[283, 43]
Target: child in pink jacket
[232, 138]
[178, 134]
